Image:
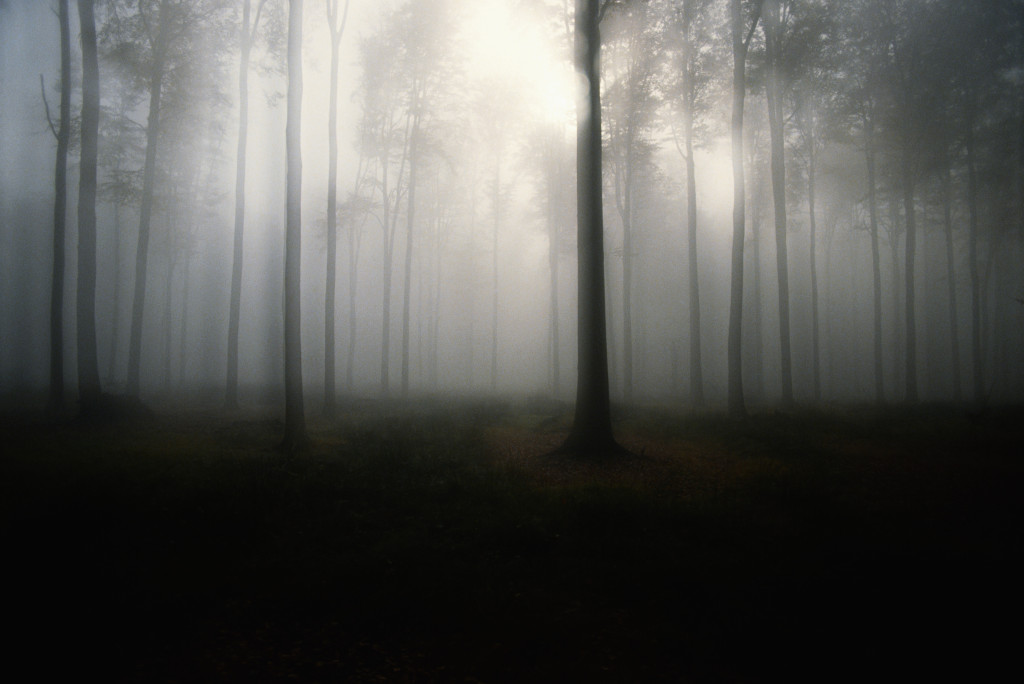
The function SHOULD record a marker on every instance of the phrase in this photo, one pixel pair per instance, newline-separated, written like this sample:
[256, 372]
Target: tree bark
[908, 274]
[60, 203]
[591, 432]
[295, 438]
[88, 366]
[813, 229]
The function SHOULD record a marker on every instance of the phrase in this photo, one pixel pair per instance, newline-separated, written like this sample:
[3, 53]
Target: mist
[488, 91]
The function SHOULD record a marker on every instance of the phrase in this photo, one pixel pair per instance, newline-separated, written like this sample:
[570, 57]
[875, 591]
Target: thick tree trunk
[773, 41]
[876, 262]
[591, 432]
[60, 209]
[146, 209]
[88, 366]
[627, 276]
[353, 281]
[739, 88]
[295, 438]
[234, 310]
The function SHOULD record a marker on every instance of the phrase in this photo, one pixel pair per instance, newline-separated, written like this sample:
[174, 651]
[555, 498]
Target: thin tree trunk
[295, 438]
[813, 229]
[332, 207]
[410, 220]
[88, 367]
[552, 219]
[696, 362]
[234, 310]
[908, 273]
[954, 328]
[494, 291]
[773, 41]
[146, 210]
[60, 202]
[972, 255]
[876, 265]
[739, 89]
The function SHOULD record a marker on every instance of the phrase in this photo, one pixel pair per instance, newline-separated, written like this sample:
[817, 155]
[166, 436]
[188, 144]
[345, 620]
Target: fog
[487, 90]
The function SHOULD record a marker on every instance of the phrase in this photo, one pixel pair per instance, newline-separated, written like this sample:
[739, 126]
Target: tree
[247, 31]
[591, 432]
[740, 47]
[337, 30]
[630, 102]
[88, 365]
[62, 132]
[295, 437]
[691, 15]
[774, 21]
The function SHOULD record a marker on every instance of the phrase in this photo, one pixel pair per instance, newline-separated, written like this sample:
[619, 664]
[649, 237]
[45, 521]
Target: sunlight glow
[510, 44]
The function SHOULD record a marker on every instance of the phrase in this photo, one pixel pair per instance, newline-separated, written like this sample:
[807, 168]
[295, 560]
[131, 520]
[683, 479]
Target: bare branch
[46, 105]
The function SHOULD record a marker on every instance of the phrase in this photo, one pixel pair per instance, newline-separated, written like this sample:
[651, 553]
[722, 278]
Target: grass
[422, 542]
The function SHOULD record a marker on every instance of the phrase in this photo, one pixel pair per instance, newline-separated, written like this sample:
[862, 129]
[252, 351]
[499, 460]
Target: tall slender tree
[740, 48]
[247, 30]
[295, 437]
[336, 28]
[62, 132]
[88, 364]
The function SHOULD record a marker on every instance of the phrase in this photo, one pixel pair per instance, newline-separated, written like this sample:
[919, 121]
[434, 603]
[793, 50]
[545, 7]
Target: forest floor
[431, 541]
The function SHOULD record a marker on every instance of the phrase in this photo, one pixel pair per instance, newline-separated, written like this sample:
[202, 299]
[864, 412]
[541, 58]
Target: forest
[494, 340]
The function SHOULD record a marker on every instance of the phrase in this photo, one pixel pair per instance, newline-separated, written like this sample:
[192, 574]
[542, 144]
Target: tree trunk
[876, 265]
[330, 397]
[696, 362]
[591, 432]
[972, 255]
[813, 229]
[234, 311]
[60, 203]
[739, 88]
[494, 290]
[947, 220]
[295, 438]
[146, 209]
[552, 219]
[410, 220]
[773, 39]
[908, 273]
[88, 366]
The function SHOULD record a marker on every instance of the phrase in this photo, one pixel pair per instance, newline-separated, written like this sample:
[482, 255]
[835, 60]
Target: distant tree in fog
[152, 39]
[295, 438]
[631, 67]
[336, 27]
[741, 37]
[62, 132]
[88, 365]
[248, 29]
